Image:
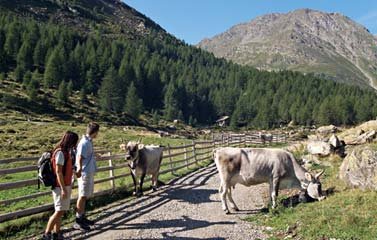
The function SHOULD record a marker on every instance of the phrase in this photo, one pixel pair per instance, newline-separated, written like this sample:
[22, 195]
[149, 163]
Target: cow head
[132, 152]
[313, 185]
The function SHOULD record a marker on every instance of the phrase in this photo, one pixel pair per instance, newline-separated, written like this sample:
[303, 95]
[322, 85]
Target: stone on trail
[359, 168]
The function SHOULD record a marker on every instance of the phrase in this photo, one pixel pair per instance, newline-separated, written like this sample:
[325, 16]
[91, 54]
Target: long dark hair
[68, 141]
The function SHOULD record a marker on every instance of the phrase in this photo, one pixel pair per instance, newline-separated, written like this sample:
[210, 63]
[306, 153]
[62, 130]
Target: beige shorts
[60, 203]
[86, 185]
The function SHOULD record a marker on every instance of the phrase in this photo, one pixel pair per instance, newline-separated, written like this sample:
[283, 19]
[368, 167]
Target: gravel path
[186, 208]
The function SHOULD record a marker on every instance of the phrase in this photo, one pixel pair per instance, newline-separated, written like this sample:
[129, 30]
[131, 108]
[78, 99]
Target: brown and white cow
[143, 160]
[252, 166]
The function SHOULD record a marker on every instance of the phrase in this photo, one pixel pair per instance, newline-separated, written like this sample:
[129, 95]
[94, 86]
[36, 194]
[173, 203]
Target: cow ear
[140, 146]
[308, 176]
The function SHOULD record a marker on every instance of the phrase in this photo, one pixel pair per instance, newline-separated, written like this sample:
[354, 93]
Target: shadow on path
[120, 214]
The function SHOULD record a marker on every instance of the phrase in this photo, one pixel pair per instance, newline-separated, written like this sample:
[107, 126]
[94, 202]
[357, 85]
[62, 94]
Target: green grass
[345, 214]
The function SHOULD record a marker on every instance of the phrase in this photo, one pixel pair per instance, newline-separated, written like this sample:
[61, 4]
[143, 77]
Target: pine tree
[38, 54]
[19, 73]
[53, 72]
[13, 40]
[3, 55]
[62, 93]
[171, 104]
[26, 79]
[25, 56]
[32, 89]
[134, 105]
[70, 88]
[111, 97]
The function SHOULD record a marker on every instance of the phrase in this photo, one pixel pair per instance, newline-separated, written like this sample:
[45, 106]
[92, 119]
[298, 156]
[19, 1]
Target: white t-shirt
[59, 158]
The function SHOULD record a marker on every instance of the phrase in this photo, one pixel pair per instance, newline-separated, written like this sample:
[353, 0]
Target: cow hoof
[227, 211]
[235, 209]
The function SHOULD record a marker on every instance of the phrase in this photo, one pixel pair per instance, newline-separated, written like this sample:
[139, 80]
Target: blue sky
[193, 20]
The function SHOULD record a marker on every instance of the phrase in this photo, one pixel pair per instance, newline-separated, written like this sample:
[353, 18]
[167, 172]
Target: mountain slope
[103, 16]
[95, 64]
[328, 44]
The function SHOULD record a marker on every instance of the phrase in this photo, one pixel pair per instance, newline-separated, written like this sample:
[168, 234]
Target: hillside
[330, 45]
[106, 17]
[65, 66]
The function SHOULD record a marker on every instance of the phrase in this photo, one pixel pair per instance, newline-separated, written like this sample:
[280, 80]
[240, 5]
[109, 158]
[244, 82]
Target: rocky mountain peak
[329, 44]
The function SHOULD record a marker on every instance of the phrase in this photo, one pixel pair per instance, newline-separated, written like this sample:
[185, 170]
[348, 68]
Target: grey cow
[143, 160]
[252, 166]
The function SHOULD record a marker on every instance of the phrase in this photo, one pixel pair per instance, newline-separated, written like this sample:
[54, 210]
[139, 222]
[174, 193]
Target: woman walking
[62, 165]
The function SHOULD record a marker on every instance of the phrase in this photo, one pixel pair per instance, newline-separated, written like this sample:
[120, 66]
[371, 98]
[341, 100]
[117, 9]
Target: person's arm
[79, 168]
[59, 173]
[60, 178]
[80, 154]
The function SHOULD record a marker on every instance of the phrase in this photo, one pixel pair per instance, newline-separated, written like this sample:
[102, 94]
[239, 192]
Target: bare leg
[231, 201]
[80, 205]
[53, 220]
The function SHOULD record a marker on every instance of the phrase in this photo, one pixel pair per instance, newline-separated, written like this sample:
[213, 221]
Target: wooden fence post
[185, 157]
[194, 152]
[170, 160]
[111, 173]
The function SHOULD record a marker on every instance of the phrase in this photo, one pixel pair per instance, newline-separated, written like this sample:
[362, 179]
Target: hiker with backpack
[86, 168]
[60, 179]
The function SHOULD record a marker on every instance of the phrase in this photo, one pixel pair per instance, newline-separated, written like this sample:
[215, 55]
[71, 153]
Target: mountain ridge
[328, 44]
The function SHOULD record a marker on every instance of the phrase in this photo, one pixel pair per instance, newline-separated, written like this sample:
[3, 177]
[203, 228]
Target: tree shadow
[183, 224]
[190, 195]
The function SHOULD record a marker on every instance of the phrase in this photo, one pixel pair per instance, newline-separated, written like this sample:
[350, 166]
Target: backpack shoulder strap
[65, 160]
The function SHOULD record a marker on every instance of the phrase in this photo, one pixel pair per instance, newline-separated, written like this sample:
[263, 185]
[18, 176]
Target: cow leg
[140, 190]
[135, 183]
[154, 182]
[223, 198]
[274, 188]
[231, 201]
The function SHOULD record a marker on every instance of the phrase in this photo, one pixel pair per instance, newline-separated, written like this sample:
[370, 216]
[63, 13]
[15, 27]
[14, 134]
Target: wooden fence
[174, 159]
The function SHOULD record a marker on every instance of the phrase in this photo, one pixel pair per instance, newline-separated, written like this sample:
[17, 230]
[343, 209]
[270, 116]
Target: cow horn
[122, 140]
[139, 140]
[319, 174]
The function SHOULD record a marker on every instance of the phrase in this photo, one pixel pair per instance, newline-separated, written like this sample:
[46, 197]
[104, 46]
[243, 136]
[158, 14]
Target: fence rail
[192, 153]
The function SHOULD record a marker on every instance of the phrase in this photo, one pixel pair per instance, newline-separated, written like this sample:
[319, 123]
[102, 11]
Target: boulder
[359, 168]
[363, 138]
[334, 141]
[326, 130]
[319, 148]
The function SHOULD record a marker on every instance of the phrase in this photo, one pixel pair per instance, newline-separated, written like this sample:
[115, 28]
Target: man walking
[86, 168]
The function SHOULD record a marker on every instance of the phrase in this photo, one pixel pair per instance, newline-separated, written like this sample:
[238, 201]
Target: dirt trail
[187, 208]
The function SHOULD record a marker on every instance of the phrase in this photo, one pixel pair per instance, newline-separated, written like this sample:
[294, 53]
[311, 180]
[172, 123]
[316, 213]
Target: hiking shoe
[81, 225]
[57, 236]
[46, 236]
[87, 221]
